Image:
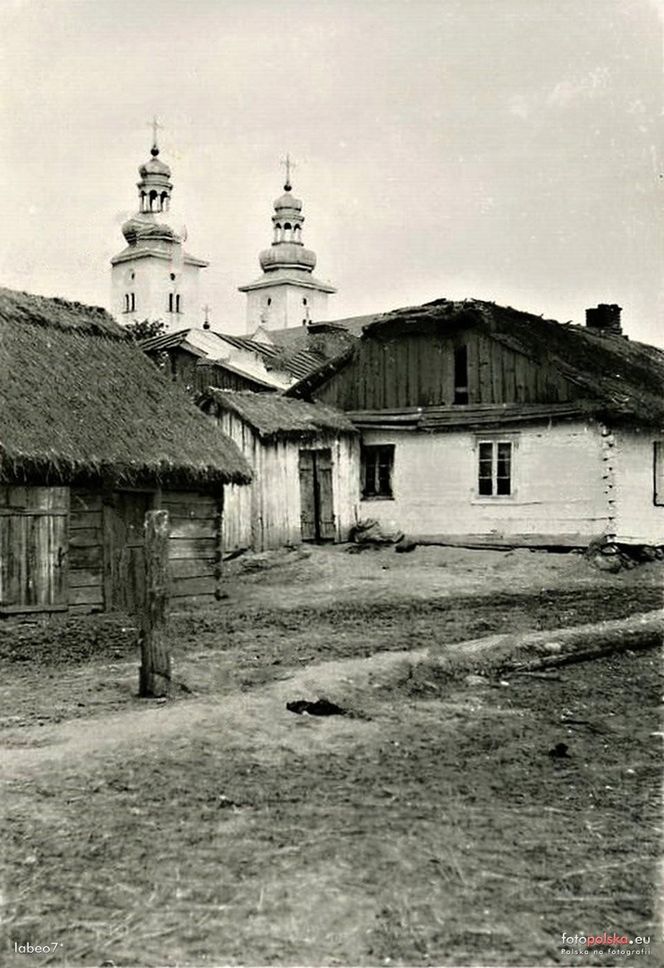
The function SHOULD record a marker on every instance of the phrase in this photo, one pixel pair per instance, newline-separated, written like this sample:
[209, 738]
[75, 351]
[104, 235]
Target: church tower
[154, 278]
[287, 294]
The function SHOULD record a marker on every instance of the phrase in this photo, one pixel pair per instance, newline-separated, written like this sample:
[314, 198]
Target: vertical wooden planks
[509, 376]
[325, 509]
[485, 385]
[33, 537]
[473, 358]
[307, 497]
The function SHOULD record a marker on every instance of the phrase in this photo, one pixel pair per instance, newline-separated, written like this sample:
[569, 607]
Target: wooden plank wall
[86, 551]
[266, 513]
[418, 371]
[238, 498]
[277, 507]
[33, 542]
[194, 545]
[345, 483]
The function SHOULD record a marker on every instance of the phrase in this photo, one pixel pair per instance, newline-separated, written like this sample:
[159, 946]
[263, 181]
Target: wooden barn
[484, 425]
[304, 459]
[93, 436]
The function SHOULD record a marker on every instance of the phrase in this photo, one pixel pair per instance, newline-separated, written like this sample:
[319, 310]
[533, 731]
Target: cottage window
[658, 496]
[377, 469]
[461, 375]
[494, 468]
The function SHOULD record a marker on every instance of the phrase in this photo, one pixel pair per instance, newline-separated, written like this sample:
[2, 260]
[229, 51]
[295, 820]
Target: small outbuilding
[92, 436]
[305, 463]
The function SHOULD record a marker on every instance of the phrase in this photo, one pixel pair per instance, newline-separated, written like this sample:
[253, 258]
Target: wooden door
[33, 549]
[124, 549]
[316, 499]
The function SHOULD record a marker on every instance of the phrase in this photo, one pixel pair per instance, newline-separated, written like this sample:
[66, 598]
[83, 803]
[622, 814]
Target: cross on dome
[288, 165]
[154, 124]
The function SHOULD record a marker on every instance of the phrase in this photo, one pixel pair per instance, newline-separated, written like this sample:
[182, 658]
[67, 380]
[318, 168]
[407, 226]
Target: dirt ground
[431, 826]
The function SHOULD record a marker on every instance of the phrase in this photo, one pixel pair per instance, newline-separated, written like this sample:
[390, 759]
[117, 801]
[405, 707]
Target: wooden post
[155, 674]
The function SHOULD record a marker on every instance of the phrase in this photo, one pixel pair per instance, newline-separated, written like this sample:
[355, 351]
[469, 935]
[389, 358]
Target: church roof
[80, 401]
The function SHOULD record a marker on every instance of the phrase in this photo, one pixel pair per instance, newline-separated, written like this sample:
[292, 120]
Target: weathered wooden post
[155, 674]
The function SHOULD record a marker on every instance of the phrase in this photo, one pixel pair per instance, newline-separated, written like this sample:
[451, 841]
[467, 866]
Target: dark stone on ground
[321, 707]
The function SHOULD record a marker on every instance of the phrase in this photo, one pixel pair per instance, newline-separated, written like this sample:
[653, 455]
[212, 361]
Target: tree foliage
[146, 328]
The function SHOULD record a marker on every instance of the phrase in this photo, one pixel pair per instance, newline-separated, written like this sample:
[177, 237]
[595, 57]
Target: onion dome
[287, 255]
[287, 250]
[154, 166]
[287, 202]
[144, 226]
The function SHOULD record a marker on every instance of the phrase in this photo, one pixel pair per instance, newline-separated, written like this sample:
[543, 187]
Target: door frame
[107, 532]
[318, 518]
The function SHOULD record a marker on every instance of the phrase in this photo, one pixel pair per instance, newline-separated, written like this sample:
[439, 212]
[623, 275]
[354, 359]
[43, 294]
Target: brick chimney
[605, 318]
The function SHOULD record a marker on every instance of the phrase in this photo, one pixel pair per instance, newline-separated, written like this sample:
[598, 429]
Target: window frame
[658, 473]
[461, 389]
[379, 495]
[495, 441]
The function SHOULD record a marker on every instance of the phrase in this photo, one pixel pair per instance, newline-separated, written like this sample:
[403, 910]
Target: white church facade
[287, 294]
[154, 277]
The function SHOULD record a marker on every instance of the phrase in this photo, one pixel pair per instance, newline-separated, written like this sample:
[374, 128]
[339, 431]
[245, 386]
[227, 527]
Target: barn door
[33, 549]
[317, 506]
[124, 549]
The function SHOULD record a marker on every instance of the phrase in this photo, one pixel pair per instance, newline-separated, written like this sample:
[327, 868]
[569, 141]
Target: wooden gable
[417, 369]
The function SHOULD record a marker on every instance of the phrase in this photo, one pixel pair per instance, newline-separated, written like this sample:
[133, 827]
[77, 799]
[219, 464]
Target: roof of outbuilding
[620, 376]
[273, 415]
[296, 361]
[79, 400]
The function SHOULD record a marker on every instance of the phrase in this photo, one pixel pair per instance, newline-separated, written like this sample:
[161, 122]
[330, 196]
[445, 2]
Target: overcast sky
[500, 149]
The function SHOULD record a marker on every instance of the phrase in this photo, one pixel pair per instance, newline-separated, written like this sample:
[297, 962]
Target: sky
[508, 150]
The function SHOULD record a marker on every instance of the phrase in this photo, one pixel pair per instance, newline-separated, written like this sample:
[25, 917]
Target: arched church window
[269, 300]
[132, 299]
[304, 300]
[170, 302]
[142, 201]
[172, 277]
[164, 200]
[178, 304]
[126, 302]
[153, 199]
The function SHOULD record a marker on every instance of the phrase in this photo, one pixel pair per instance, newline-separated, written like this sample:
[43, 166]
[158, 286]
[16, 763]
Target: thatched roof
[274, 416]
[80, 401]
[620, 377]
